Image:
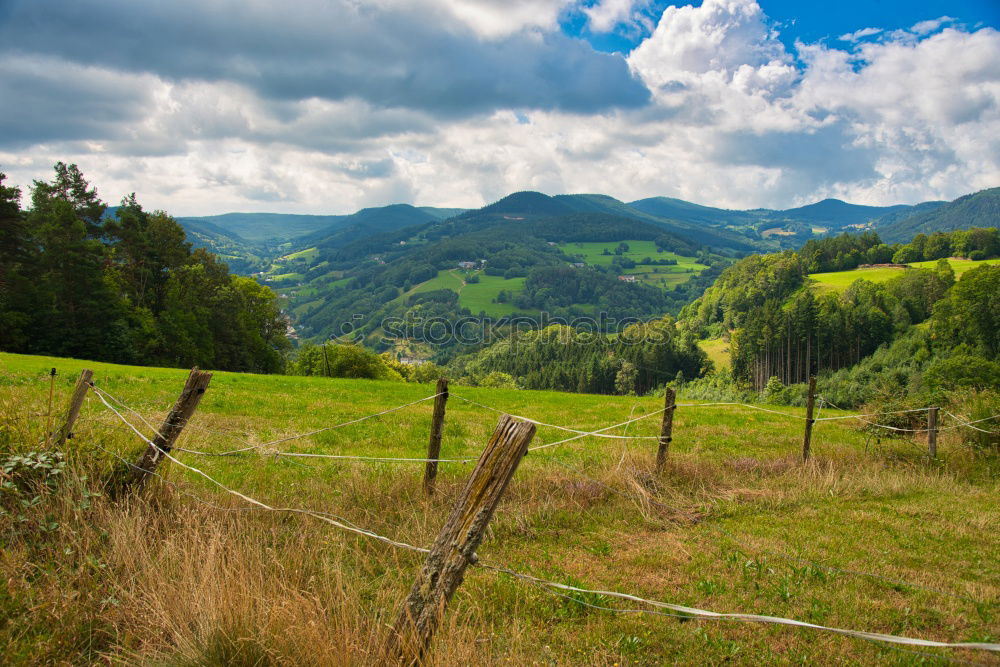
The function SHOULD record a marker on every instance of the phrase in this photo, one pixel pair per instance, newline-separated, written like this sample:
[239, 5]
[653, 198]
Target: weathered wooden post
[666, 428]
[932, 432]
[170, 430]
[437, 428]
[810, 404]
[65, 431]
[455, 547]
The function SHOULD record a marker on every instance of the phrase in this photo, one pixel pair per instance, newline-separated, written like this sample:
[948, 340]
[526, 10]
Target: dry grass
[735, 523]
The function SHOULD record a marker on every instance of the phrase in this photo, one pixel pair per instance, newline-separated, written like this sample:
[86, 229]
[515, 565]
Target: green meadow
[481, 296]
[841, 280]
[868, 535]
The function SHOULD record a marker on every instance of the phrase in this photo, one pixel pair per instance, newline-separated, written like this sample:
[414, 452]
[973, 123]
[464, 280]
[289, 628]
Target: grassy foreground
[187, 575]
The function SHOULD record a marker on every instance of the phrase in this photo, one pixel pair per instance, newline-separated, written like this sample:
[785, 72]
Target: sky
[327, 106]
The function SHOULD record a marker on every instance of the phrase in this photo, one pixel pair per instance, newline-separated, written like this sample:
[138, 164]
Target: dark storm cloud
[405, 58]
[44, 101]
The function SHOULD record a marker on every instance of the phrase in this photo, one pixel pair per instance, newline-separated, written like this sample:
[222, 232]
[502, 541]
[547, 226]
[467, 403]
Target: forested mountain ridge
[526, 254]
[979, 209]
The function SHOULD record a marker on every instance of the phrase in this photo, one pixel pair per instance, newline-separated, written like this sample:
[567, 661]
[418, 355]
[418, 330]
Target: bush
[962, 371]
[971, 406]
[499, 380]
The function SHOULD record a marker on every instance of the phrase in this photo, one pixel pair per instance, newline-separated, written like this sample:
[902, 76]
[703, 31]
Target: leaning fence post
[810, 404]
[455, 546]
[75, 404]
[932, 432]
[170, 430]
[437, 428]
[666, 428]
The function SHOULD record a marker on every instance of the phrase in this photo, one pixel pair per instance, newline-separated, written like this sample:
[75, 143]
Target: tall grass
[185, 574]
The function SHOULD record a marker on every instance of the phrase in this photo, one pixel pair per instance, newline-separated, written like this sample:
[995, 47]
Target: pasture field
[717, 350]
[479, 296]
[841, 280]
[592, 252]
[445, 279]
[868, 535]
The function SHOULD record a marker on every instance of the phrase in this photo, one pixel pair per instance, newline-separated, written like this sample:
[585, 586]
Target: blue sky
[804, 21]
[209, 106]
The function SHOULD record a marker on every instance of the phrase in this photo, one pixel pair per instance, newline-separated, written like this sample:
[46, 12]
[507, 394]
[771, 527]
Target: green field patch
[717, 350]
[840, 280]
[284, 276]
[666, 277]
[443, 280]
[959, 266]
[481, 296]
[307, 254]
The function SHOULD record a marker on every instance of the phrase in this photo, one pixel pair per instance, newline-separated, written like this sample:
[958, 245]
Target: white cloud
[736, 120]
[606, 15]
[927, 27]
[492, 19]
[860, 34]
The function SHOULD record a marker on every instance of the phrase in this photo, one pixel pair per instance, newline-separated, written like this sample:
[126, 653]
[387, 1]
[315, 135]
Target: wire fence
[647, 605]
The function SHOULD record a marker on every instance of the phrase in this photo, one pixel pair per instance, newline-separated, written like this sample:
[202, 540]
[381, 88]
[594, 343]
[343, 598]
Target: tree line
[125, 288]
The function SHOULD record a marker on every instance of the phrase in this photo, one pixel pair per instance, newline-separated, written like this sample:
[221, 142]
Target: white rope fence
[656, 604]
[252, 501]
[753, 618]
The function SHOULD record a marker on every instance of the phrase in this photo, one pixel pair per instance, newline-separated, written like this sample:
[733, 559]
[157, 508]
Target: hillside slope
[980, 209]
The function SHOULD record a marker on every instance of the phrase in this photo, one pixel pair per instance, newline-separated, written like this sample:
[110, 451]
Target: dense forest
[640, 358]
[782, 330]
[127, 288]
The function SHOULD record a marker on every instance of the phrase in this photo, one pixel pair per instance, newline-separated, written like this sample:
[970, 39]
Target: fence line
[333, 522]
[962, 422]
[682, 610]
[273, 442]
[752, 618]
[597, 434]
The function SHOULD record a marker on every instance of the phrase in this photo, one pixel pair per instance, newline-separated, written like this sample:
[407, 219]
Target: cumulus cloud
[218, 106]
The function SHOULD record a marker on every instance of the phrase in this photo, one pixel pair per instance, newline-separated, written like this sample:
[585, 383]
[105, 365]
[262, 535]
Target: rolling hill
[980, 209]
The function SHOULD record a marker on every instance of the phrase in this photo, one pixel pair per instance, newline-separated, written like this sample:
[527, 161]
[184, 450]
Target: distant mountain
[837, 214]
[830, 214]
[369, 222]
[537, 205]
[442, 213]
[981, 209]
[668, 207]
[265, 227]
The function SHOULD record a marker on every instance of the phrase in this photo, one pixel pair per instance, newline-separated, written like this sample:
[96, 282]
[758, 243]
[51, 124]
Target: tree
[970, 313]
[15, 260]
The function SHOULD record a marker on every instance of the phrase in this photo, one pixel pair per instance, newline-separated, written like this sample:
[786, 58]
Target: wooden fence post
[75, 404]
[932, 432]
[666, 428]
[164, 439]
[455, 546]
[437, 428]
[810, 404]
